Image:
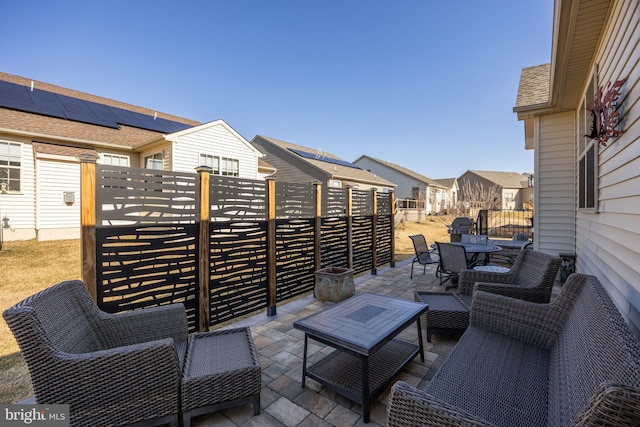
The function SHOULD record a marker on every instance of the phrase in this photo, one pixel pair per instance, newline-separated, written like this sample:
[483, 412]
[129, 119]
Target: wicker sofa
[573, 361]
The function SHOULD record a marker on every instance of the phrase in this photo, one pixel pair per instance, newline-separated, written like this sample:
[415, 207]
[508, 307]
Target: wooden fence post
[88, 222]
[392, 262]
[271, 247]
[317, 232]
[204, 255]
[374, 237]
[349, 226]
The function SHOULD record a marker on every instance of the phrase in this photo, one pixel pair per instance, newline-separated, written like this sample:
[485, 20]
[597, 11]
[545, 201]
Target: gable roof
[175, 135]
[332, 166]
[502, 179]
[447, 182]
[404, 171]
[534, 87]
[28, 123]
[577, 28]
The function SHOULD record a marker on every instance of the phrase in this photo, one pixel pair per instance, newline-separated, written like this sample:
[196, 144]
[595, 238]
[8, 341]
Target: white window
[115, 160]
[10, 166]
[229, 167]
[587, 155]
[154, 162]
[211, 161]
[508, 197]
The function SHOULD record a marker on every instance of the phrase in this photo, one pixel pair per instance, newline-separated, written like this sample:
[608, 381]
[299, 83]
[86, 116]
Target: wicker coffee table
[221, 370]
[448, 312]
[362, 329]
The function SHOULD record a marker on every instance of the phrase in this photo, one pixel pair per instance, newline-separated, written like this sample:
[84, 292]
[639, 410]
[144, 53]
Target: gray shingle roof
[35, 124]
[334, 170]
[503, 179]
[534, 86]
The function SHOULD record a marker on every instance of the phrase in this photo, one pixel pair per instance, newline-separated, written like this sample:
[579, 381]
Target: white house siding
[608, 242]
[555, 203]
[217, 141]
[56, 219]
[19, 208]
[405, 185]
[165, 149]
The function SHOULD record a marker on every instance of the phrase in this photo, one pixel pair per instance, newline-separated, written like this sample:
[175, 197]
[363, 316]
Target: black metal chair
[423, 253]
[453, 259]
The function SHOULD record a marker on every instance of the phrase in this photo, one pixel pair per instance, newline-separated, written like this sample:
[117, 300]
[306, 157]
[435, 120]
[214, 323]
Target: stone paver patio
[285, 402]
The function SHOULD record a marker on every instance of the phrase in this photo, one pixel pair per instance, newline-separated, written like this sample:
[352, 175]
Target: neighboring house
[452, 192]
[214, 144]
[588, 194]
[513, 190]
[298, 164]
[416, 195]
[44, 128]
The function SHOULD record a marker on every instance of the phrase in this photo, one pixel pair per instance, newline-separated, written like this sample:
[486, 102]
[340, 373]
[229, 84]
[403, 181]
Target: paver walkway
[285, 402]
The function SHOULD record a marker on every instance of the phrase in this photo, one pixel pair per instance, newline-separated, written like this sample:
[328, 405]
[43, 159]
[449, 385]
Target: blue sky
[429, 85]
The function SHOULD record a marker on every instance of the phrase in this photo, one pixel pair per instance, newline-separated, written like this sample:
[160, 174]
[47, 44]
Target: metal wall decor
[605, 114]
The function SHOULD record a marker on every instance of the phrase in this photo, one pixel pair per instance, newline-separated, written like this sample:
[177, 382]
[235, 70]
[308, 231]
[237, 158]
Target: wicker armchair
[531, 278]
[112, 369]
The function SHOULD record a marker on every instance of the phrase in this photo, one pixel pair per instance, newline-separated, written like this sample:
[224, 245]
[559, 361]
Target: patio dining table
[475, 249]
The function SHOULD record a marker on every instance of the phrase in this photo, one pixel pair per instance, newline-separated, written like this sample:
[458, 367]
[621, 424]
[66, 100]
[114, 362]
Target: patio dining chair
[453, 260]
[112, 369]
[422, 252]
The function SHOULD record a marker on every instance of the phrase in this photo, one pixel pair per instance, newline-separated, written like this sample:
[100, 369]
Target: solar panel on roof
[103, 112]
[22, 98]
[172, 126]
[11, 94]
[318, 156]
[78, 110]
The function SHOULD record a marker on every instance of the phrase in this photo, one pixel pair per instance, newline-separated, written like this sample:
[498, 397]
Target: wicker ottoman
[448, 312]
[221, 370]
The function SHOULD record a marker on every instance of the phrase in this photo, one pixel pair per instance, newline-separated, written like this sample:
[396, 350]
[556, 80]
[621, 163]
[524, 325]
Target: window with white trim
[154, 161]
[229, 167]
[115, 160]
[10, 166]
[211, 161]
[587, 155]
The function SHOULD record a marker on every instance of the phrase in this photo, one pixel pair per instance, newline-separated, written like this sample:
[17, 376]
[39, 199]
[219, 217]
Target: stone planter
[334, 284]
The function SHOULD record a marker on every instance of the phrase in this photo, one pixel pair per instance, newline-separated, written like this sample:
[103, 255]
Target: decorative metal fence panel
[383, 239]
[146, 239]
[295, 200]
[295, 257]
[362, 202]
[334, 248]
[153, 246]
[238, 247]
[335, 202]
[362, 243]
